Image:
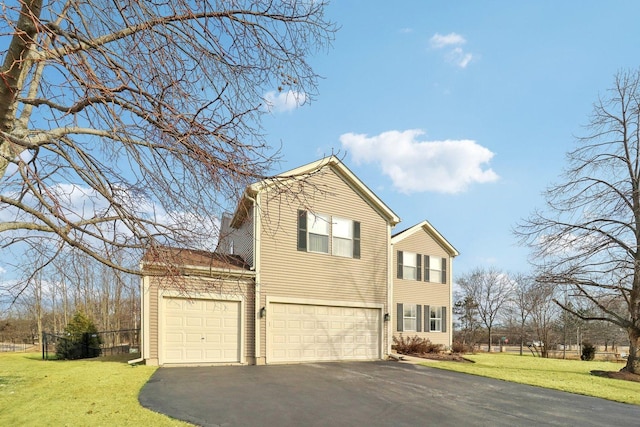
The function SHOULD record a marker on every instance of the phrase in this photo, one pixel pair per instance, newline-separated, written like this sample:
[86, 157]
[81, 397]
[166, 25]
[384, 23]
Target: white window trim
[438, 319]
[312, 219]
[409, 260]
[405, 317]
[435, 274]
[350, 237]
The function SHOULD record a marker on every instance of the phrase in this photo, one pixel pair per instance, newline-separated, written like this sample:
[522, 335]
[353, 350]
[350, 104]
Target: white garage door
[307, 333]
[200, 331]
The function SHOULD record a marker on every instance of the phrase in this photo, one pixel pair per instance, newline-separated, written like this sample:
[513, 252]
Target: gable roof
[303, 172]
[429, 229]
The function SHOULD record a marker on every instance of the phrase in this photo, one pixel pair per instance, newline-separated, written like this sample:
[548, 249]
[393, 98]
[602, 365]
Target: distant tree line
[493, 308]
[47, 299]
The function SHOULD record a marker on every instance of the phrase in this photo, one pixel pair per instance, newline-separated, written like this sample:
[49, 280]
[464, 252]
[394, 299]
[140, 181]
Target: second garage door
[308, 333]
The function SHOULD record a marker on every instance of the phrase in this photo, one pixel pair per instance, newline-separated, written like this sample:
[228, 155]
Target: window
[435, 269]
[409, 317]
[342, 232]
[314, 231]
[409, 266]
[435, 319]
[318, 226]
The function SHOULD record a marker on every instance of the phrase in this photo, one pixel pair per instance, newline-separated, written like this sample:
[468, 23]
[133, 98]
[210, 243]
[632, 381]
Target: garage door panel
[304, 332]
[200, 331]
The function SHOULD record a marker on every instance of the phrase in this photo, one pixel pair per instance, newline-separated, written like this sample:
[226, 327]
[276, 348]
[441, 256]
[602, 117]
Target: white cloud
[284, 101]
[448, 166]
[2, 270]
[439, 41]
[456, 55]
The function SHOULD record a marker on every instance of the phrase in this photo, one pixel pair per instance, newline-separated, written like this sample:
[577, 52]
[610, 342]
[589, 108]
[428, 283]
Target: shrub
[458, 347]
[80, 339]
[415, 345]
[588, 351]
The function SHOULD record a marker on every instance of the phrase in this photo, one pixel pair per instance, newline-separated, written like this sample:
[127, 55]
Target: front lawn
[567, 375]
[97, 392]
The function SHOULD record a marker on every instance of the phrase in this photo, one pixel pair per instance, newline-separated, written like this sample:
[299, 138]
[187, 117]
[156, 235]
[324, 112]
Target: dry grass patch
[97, 392]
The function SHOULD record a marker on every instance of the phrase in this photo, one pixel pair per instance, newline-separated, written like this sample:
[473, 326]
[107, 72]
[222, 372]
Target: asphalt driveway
[366, 394]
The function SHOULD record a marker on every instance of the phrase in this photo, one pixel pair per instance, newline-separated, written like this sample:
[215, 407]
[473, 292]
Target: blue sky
[461, 112]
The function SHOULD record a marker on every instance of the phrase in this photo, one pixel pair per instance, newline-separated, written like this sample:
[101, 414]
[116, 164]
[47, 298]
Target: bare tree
[522, 303]
[588, 238]
[490, 289]
[466, 309]
[129, 124]
[544, 314]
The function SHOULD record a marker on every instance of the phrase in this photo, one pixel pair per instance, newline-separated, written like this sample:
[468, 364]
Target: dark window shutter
[444, 319]
[419, 318]
[400, 317]
[444, 270]
[418, 267]
[427, 318]
[356, 239]
[426, 268]
[302, 230]
[399, 265]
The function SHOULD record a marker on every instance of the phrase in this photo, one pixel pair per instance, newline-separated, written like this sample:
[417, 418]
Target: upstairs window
[435, 269]
[342, 243]
[318, 226]
[409, 265]
[315, 231]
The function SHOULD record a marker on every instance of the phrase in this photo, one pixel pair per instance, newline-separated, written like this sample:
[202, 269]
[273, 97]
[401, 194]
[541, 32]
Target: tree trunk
[633, 363]
[490, 339]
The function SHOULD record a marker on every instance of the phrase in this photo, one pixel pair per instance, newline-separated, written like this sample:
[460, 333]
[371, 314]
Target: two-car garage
[299, 332]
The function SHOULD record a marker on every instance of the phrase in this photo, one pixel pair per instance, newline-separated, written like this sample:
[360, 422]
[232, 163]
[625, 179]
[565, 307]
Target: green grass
[96, 392]
[573, 376]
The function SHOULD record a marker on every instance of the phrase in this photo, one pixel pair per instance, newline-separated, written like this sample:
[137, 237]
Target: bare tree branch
[588, 239]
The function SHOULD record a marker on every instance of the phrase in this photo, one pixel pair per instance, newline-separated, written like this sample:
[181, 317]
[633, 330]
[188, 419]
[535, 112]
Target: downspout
[389, 288]
[256, 268]
[143, 324]
[450, 314]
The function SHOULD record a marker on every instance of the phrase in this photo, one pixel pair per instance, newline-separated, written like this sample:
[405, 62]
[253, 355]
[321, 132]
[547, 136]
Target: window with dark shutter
[302, 230]
[356, 239]
[399, 266]
[400, 317]
[419, 318]
[418, 267]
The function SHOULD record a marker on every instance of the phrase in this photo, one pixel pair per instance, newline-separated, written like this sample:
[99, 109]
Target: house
[303, 272]
[422, 283]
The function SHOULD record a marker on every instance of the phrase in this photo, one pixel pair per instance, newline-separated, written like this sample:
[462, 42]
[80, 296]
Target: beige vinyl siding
[421, 292]
[153, 320]
[287, 272]
[229, 287]
[237, 241]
